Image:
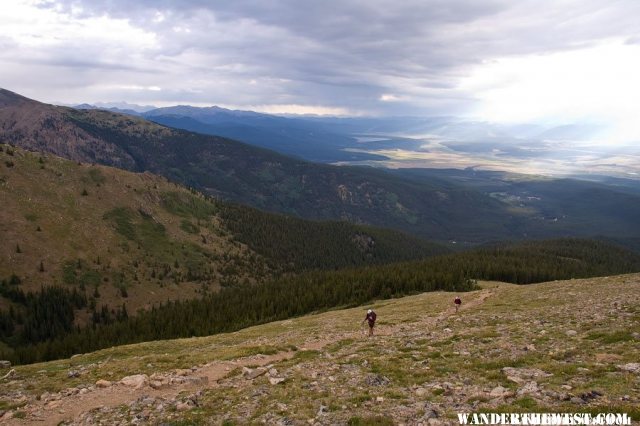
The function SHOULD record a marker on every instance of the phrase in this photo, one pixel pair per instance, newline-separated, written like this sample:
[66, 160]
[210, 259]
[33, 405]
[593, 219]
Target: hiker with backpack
[457, 302]
[371, 319]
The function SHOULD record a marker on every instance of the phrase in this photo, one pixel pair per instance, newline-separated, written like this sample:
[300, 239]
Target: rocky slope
[559, 346]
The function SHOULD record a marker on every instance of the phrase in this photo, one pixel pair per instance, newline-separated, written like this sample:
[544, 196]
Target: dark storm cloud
[343, 53]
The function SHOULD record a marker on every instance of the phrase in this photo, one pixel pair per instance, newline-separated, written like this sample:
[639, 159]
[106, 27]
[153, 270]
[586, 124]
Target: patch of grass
[187, 205]
[339, 345]
[123, 219]
[20, 415]
[526, 403]
[188, 227]
[306, 355]
[610, 338]
[96, 176]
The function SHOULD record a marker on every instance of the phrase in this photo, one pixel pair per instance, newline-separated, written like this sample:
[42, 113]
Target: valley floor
[565, 346]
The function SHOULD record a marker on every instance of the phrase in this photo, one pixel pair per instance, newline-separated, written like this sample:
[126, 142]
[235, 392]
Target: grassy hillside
[566, 346]
[137, 239]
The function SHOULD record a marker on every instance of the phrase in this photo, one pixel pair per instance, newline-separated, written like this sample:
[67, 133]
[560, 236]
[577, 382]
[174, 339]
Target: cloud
[375, 56]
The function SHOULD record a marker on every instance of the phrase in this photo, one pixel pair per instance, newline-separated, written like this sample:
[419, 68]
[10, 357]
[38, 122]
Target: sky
[512, 61]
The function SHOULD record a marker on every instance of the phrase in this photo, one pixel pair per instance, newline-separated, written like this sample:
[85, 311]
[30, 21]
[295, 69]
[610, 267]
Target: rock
[588, 396]
[136, 381]
[576, 400]
[571, 333]
[83, 391]
[379, 399]
[377, 380]
[183, 406]
[421, 392]
[323, 410]
[73, 374]
[566, 387]
[276, 380]
[256, 373]
[103, 383]
[430, 413]
[156, 384]
[528, 389]
[498, 392]
[5, 364]
[632, 367]
[530, 348]
[273, 372]
[522, 375]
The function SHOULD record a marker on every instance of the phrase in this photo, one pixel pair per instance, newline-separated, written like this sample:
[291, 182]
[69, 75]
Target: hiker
[371, 319]
[457, 302]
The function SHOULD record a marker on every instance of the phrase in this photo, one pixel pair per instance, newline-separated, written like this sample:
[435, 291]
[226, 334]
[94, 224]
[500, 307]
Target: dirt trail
[71, 407]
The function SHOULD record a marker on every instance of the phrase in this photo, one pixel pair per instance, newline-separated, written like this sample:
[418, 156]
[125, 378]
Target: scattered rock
[273, 372]
[522, 375]
[5, 364]
[498, 392]
[421, 392]
[183, 406]
[379, 399]
[571, 333]
[633, 367]
[430, 412]
[136, 381]
[528, 389]
[323, 410]
[73, 374]
[377, 380]
[588, 396]
[252, 374]
[276, 380]
[103, 383]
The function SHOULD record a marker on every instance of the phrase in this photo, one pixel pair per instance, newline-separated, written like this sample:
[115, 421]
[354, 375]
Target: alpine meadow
[337, 213]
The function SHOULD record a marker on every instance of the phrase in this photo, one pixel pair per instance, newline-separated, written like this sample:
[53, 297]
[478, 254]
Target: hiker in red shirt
[457, 302]
[371, 319]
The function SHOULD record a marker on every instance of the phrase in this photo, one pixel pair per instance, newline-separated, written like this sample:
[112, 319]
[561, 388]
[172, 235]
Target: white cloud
[595, 84]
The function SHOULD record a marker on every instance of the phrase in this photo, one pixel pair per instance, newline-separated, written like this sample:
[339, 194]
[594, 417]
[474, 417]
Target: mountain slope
[138, 239]
[427, 206]
[565, 346]
[253, 176]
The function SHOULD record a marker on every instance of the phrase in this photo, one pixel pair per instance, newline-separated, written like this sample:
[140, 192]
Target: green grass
[611, 338]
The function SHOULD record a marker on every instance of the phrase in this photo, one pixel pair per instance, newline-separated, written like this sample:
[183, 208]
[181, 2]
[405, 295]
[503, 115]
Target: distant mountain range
[424, 204]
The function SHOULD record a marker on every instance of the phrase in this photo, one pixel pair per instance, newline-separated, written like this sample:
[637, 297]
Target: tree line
[294, 295]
